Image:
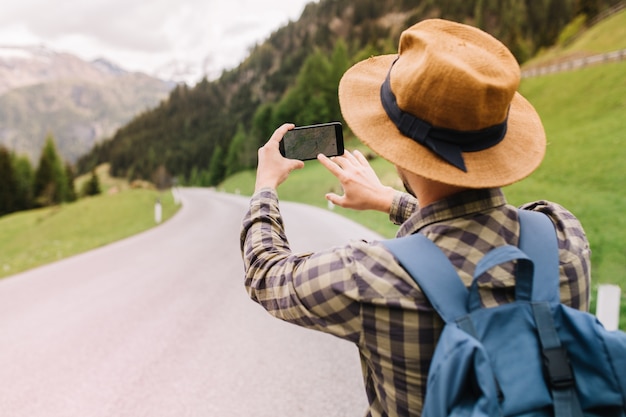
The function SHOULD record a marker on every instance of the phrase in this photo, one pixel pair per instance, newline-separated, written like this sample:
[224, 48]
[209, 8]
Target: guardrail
[577, 63]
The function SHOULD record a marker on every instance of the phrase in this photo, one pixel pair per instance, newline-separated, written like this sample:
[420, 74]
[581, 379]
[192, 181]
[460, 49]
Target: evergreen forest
[23, 188]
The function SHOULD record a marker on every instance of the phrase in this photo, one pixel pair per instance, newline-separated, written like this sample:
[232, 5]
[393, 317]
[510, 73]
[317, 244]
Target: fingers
[361, 158]
[336, 164]
[330, 165]
[345, 160]
[356, 158]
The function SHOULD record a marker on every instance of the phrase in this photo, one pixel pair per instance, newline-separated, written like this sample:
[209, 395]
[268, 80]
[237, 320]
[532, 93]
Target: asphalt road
[160, 325]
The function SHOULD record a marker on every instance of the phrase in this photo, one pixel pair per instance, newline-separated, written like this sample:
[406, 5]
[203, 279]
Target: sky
[197, 37]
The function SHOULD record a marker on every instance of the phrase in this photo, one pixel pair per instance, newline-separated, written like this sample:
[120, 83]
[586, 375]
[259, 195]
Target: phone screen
[306, 142]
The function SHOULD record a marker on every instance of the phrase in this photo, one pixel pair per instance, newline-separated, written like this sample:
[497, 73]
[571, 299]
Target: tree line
[204, 133]
[23, 187]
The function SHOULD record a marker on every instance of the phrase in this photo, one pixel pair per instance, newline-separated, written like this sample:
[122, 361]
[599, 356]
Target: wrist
[264, 186]
[386, 199]
[263, 180]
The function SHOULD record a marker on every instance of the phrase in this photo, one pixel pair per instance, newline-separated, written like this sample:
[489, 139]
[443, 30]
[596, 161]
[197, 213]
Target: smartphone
[306, 142]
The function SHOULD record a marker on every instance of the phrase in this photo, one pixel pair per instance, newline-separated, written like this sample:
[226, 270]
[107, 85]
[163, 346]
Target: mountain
[204, 133]
[80, 103]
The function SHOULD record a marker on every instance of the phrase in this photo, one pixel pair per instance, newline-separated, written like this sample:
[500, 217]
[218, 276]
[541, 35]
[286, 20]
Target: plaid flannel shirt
[358, 292]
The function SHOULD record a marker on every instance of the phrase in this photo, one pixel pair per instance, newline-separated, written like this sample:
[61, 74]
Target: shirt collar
[458, 205]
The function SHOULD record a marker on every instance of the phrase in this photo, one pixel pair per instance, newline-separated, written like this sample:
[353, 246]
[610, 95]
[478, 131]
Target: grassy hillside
[37, 237]
[584, 166]
[608, 36]
[583, 112]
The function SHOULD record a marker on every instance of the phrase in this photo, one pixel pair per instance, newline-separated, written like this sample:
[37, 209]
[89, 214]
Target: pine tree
[339, 63]
[91, 187]
[308, 102]
[50, 185]
[217, 168]
[24, 177]
[8, 184]
[241, 152]
[69, 176]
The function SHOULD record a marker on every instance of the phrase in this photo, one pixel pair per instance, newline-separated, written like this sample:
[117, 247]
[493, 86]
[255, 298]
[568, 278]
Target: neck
[428, 191]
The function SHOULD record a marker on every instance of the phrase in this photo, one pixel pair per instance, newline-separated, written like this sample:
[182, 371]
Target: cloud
[142, 35]
[123, 24]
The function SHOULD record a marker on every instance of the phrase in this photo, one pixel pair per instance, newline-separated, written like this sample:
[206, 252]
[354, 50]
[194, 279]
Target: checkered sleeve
[574, 253]
[311, 290]
[402, 207]
[327, 290]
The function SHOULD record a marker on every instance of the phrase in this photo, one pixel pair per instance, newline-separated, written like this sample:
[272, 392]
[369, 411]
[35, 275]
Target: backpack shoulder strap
[433, 272]
[538, 241]
[441, 284]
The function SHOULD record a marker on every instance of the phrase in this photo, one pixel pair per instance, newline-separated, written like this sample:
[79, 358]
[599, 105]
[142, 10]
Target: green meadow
[38, 237]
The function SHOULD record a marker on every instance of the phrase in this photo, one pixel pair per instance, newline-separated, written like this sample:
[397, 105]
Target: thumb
[335, 199]
[297, 164]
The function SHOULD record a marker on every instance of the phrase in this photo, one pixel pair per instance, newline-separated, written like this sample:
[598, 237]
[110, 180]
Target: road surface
[160, 325]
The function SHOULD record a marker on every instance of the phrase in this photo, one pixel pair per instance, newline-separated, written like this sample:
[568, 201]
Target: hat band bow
[448, 144]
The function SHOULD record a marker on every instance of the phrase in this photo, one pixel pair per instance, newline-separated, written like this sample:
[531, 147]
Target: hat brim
[514, 158]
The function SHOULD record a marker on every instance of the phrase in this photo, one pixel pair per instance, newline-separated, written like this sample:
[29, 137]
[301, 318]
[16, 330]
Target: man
[446, 113]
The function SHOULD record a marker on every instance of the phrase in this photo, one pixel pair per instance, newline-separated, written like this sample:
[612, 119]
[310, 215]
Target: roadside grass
[584, 168]
[38, 237]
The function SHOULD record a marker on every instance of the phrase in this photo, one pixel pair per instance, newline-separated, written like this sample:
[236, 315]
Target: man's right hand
[362, 189]
[273, 169]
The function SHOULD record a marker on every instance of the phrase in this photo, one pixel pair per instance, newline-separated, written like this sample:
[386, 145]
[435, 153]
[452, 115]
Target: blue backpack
[531, 357]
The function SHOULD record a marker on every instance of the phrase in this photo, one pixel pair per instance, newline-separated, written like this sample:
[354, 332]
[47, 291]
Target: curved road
[160, 325]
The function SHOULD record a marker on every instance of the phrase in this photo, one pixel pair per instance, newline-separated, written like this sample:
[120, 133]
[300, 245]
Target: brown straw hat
[446, 107]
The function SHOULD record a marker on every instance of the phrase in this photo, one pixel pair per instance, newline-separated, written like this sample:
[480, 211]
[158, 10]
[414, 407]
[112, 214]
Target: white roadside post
[176, 195]
[158, 211]
[607, 306]
[175, 191]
